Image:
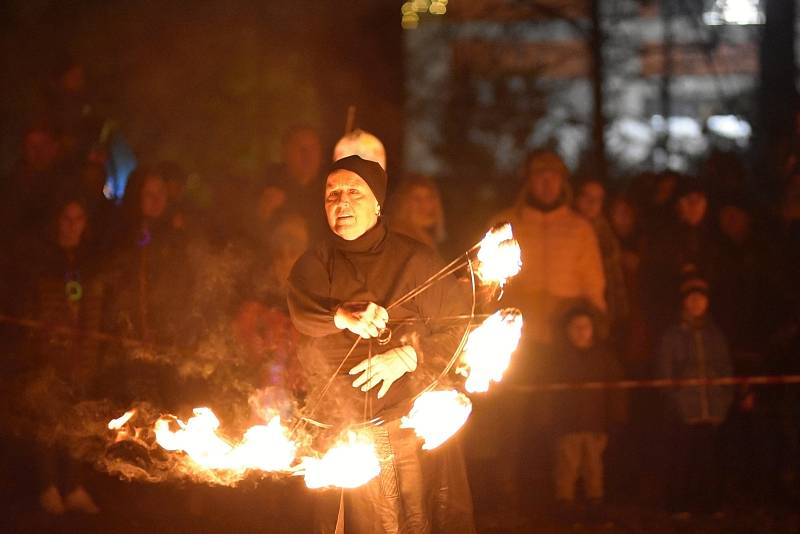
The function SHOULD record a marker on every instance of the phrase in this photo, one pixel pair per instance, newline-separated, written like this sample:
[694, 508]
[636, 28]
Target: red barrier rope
[659, 383]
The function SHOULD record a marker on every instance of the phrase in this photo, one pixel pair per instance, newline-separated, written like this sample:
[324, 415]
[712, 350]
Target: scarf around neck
[369, 241]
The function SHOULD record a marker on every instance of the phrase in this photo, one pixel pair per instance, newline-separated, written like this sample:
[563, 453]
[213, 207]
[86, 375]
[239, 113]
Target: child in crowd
[584, 416]
[694, 348]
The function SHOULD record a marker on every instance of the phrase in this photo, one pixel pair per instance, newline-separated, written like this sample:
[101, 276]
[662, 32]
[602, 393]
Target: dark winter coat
[696, 351]
[65, 297]
[588, 410]
[379, 267]
[152, 282]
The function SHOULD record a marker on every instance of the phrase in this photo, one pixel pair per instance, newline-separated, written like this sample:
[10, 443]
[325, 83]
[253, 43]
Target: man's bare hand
[387, 367]
[365, 319]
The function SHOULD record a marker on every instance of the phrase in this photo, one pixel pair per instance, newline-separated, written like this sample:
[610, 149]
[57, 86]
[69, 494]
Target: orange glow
[489, 348]
[437, 415]
[350, 464]
[499, 256]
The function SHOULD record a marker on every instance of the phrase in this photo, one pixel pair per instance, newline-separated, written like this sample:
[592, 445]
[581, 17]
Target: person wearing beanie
[339, 291]
[586, 417]
[551, 236]
[692, 348]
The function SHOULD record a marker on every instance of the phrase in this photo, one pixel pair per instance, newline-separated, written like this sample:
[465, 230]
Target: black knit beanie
[369, 171]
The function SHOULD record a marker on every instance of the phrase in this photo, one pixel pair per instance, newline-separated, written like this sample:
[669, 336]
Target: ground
[283, 506]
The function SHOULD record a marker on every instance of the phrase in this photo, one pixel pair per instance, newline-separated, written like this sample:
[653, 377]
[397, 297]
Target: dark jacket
[152, 281]
[66, 298]
[696, 351]
[380, 267]
[588, 410]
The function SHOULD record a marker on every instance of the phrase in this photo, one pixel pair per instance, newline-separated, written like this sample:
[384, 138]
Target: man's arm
[428, 350]
[447, 298]
[316, 314]
[310, 306]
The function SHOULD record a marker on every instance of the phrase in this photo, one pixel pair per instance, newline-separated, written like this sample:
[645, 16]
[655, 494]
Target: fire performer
[340, 291]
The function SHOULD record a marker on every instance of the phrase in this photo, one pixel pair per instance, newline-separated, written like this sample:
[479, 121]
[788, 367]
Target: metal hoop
[384, 336]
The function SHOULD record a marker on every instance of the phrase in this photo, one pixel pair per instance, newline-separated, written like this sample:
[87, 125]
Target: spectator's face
[695, 304]
[302, 155]
[271, 199]
[590, 200]
[665, 188]
[692, 208]
[288, 241]
[580, 331]
[734, 223]
[350, 206]
[423, 207]
[73, 80]
[154, 197]
[40, 150]
[623, 218]
[175, 189]
[545, 186]
[71, 226]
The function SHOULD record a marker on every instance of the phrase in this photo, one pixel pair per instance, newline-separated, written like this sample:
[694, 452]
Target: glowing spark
[437, 415]
[499, 256]
[264, 447]
[119, 422]
[488, 350]
[347, 465]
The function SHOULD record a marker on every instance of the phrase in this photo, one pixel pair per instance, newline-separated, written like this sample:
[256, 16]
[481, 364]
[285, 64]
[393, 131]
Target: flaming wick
[489, 348]
[437, 415]
[498, 257]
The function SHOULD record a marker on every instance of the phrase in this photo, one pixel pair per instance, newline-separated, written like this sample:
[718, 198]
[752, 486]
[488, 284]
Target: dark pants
[693, 477]
[400, 499]
[447, 489]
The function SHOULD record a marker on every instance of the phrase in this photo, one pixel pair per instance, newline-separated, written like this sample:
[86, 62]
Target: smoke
[222, 361]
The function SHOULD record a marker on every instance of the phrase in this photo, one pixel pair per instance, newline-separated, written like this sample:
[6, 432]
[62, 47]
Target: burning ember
[347, 465]
[488, 350]
[264, 447]
[119, 422]
[437, 415]
[499, 256]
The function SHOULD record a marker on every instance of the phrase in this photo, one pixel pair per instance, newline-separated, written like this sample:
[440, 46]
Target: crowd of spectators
[665, 276]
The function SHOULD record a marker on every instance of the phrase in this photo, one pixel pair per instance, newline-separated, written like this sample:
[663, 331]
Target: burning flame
[488, 350]
[264, 447]
[437, 415]
[119, 422]
[499, 256]
[347, 465]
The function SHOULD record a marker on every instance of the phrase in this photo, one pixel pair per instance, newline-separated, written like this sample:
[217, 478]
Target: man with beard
[339, 291]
